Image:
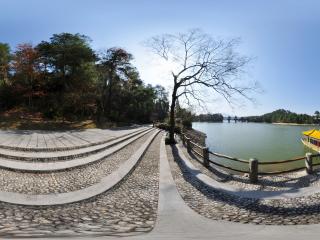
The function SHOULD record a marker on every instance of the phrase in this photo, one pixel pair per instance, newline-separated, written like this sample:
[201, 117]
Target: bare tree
[200, 61]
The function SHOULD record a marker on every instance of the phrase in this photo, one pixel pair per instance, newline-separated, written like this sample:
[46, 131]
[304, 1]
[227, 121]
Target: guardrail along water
[253, 167]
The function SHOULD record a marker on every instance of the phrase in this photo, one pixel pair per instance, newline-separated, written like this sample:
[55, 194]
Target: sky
[281, 36]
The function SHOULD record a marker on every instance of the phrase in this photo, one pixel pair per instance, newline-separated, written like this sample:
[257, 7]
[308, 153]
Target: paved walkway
[177, 221]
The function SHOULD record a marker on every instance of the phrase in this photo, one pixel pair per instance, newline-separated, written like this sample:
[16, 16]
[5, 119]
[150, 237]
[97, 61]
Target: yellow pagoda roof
[307, 133]
[312, 133]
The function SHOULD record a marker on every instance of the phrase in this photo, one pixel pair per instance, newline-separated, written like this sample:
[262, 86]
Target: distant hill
[282, 116]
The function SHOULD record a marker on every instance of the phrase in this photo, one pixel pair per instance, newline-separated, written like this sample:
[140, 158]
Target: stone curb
[255, 194]
[104, 185]
[24, 166]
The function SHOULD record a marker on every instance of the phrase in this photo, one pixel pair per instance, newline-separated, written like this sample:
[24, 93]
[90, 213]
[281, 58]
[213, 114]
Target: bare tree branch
[202, 63]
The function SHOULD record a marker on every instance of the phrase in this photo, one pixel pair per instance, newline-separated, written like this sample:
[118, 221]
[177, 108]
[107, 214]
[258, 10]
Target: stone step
[66, 154]
[106, 183]
[49, 166]
[72, 179]
[40, 141]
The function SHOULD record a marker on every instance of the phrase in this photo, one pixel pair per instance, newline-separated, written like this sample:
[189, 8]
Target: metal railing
[252, 165]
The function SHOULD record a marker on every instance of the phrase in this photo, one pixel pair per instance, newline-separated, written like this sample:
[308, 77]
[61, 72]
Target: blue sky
[283, 37]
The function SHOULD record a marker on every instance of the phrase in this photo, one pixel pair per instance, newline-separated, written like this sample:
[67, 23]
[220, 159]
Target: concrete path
[105, 184]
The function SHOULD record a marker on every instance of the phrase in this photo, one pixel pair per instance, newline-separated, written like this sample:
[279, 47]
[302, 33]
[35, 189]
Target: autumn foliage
[64, 78]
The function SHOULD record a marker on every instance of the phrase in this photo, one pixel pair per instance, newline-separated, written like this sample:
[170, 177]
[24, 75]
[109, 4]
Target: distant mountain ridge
[277, 116]
[282, 116]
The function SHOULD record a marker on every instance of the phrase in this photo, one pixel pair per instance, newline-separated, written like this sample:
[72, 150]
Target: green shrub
[166, 127]
[187, 123]
[177, 129]
[163, 126]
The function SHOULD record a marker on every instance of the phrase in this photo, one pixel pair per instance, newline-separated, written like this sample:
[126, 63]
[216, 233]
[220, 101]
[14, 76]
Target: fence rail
[283, 161]
[226, 167]
[230, 158]
[252, 164]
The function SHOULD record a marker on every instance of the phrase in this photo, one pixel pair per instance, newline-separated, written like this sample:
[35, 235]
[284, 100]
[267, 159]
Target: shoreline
[275, 123]
[296, 124]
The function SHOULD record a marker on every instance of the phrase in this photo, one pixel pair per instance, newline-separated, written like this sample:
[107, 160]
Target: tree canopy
[5, 57]
[64, 78]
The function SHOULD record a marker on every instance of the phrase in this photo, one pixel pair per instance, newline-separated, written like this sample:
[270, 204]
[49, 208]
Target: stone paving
[129, 208]
[176, 221]
[47, 140]
[218, 205]
[66, 181]
[36, 156]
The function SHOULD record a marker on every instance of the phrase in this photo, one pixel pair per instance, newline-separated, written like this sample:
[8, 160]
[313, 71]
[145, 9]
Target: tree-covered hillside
[282, 116]
[208, 118]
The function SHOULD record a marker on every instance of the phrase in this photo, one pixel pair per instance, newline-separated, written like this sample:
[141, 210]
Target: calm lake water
[266, 142]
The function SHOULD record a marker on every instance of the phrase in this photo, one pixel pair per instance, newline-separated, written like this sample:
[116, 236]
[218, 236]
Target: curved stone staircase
[40, 176]
[62, 159]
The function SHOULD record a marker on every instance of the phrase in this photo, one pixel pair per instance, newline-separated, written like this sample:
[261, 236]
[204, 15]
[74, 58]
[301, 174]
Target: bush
[177, 129]
[187, 123]
[163, 126]
[166, 127]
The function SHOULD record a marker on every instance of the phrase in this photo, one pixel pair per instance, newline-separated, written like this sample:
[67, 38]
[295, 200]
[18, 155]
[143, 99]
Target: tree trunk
[109, 98]
[31, 93]
[172, 115]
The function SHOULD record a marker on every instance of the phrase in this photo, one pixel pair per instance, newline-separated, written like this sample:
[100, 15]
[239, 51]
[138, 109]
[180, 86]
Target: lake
[266, 142]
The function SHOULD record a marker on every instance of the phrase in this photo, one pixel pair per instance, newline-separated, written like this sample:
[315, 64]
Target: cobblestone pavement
[288, 181]
[129, 208]
[218, 205]
[69, 180]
